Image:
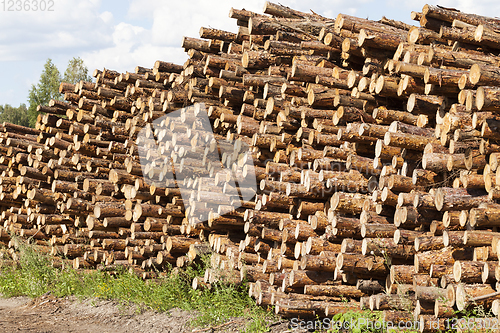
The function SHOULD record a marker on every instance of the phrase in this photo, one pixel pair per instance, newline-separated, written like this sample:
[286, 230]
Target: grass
[473, 319]
[35, 277]
[364, 321]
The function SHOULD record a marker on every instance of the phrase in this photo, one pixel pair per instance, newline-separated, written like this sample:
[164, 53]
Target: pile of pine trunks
[376, 150]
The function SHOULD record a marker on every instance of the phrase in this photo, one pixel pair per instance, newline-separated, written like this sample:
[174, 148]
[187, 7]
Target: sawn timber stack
[376, 151]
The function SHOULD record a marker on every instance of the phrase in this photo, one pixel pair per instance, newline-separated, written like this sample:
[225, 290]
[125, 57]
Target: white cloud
[132, 46]
[70, 26]
[130, 35]
[107, 17]
[171, 22]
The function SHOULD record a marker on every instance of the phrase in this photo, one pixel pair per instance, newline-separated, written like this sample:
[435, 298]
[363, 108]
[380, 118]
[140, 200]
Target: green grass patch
[35, 276]
[359, 322]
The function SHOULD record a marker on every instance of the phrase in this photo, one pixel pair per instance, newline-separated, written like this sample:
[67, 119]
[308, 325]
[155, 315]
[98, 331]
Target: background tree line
[46, 89]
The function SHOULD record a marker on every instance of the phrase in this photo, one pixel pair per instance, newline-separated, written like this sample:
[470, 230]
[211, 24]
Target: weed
[35, 276]
[473, 319]
[358, 322]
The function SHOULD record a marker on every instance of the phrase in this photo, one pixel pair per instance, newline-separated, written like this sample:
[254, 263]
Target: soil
[49, 314]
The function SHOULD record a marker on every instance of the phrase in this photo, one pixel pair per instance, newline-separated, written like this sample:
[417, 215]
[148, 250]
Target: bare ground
[49, 314]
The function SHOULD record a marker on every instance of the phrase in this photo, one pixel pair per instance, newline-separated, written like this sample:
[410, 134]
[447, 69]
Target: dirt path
[48, 314]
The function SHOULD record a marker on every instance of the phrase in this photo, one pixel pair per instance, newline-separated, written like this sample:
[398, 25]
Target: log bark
[445, 256]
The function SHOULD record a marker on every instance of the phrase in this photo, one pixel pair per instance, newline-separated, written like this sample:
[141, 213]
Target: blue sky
[123, 34]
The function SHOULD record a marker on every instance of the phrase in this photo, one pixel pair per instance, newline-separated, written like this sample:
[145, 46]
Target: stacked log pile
[375, 145]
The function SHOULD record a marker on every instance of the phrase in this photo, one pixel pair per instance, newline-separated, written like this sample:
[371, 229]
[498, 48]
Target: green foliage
[14, 115]
[45, 90]
[359, 321]
[36, 276]
[76, 71]
[47, 87]
[473, 319]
